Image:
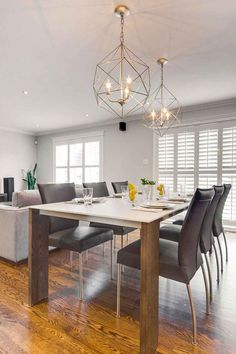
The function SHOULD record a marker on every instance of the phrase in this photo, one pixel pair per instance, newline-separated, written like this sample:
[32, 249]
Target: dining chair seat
[179, 221]
[80, 239]
[118, 230]
[169, 266]
[170, 232]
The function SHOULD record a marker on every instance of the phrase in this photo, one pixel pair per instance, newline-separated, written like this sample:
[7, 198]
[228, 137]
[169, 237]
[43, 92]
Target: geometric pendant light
[122, 80]
[163, 109]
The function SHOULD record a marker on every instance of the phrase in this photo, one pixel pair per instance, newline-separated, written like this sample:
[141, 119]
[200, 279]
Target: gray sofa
[14, 224]
[14, 228]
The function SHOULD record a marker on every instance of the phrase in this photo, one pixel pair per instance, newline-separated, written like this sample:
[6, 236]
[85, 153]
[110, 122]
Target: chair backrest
[55, 193]
[99, 189]
[206, 230]
[117, 186]
[217, 227]
[189, 251]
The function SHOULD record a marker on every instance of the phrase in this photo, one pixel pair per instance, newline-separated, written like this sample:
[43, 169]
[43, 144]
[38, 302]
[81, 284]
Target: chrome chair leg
[114, 243]
[81, 290]
[111, 259]
[103, 249]
[221, 255]
[217, 264]
[226, 246]
[87, 255]
[122, 245]
[193, 312]
[71, 260]
[209, 277]
[206, 290]
[118, 290]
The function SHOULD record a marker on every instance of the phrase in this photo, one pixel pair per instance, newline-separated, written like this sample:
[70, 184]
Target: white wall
[17, 152]
[125, 152]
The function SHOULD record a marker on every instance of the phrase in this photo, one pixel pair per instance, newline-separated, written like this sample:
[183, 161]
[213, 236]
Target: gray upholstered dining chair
[100, 190]
[172, 232]
[178, 261]
[218, 227]
[66, 233]
[117, 186]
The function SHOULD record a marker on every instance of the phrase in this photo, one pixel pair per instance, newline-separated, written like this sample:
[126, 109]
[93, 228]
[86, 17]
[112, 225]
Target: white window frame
[220, 125]
[79, 139]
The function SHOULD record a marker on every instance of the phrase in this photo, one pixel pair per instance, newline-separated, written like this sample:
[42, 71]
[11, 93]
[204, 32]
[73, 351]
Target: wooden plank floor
[64, 325]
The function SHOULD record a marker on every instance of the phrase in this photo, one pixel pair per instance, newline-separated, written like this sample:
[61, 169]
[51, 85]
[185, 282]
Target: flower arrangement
[147, 182]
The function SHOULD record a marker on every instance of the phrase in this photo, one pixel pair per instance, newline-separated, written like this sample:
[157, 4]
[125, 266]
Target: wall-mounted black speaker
[122, 126]
[8, 183]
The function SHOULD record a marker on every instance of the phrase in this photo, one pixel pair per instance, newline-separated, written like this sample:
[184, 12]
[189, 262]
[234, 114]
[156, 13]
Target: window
[78, 160]
[199, 156]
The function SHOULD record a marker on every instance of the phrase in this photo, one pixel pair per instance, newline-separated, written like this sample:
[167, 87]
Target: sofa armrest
[14, 232]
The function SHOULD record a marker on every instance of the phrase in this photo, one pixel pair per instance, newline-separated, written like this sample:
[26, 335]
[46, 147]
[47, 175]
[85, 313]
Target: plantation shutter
[208, 157]
[166, 161]
[229, 170]
[185, 162]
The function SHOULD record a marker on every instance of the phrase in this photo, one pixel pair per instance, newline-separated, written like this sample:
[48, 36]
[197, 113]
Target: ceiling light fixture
[25, 92]
[163, 110]
[122, 80]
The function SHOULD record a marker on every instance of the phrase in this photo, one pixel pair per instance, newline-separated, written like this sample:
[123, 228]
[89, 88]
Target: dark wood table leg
[38, 257]
[149, 302]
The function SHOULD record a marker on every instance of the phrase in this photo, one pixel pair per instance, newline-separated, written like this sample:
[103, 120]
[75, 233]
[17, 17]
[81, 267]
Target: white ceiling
[51, 47]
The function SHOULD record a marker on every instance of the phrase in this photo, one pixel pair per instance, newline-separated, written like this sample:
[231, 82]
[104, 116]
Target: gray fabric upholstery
[54, 193]
[99, 189]
[26, 198]
[118, 230]
[117, 186]
[206, 239]
[170, 232]
[179, 221]
[66, 233]
[80, 239]
[168, 260]
[217, 227]
[178, 260]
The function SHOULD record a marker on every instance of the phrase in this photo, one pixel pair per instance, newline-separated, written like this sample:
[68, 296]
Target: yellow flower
[131, 186]
[161, 189]
[132, 194]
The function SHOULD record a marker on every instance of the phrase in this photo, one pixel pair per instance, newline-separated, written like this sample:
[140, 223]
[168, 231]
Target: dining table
[115, 211]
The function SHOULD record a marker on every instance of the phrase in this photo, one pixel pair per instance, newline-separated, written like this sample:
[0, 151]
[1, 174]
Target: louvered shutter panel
[166, 160]
[229, 170]
[186, 157]
[208, 157]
